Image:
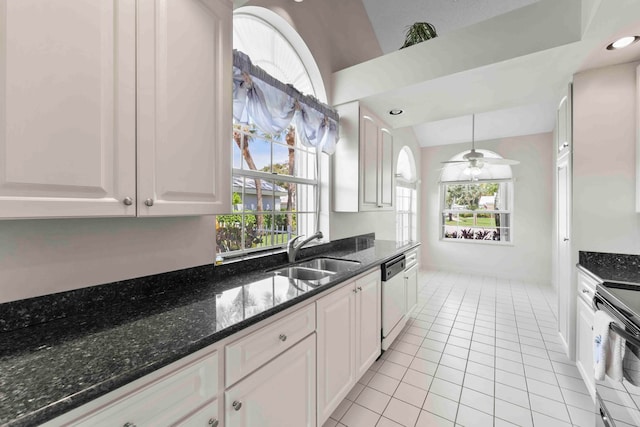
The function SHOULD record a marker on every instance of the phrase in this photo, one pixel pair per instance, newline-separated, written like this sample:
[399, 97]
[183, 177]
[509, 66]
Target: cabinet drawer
[163, 402]
[411, 258]
[249, 353]
[586, 287]
[207, 416]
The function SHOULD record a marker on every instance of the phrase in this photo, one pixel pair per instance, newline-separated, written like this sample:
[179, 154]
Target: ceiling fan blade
[456, 161]
[495, 161]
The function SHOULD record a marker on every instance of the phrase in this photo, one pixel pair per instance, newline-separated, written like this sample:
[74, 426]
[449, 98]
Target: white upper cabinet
[564, 123]
[184, 101]
[105, 109]
[67, 108]
[363, 166]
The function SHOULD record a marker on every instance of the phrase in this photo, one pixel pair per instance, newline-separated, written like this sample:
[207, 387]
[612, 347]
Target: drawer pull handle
[283, 337]
[585, 291]
[213, 422]
[236, 405]
[128, 424]
[359, 288]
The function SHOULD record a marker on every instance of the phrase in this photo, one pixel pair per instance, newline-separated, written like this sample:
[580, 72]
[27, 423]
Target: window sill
[478, 242]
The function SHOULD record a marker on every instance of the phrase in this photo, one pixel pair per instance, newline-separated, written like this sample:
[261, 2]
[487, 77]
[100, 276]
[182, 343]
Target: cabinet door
[411, 283]
[584, 345]
[564, 123]
[280, 394]
[368, 322]
[387, 178]
[184, 107]
[67, 108]
[369, 160]
[336, 349]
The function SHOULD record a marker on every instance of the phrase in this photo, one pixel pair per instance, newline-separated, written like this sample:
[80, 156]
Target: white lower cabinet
[291, 372]
[368, 322]
[348, 330]
[584, 345]
[280, 394]
[411, 285]
[336, 348]
[584, 331]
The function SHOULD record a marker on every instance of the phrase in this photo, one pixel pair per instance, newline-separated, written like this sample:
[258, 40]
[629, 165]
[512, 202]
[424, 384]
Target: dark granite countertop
[618, 287]
[61, 351]
[611, 267]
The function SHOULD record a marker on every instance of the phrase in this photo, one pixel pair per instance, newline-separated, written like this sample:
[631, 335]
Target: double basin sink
[317, 271]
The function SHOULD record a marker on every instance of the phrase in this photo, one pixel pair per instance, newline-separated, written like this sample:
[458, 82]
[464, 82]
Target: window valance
[272, 105]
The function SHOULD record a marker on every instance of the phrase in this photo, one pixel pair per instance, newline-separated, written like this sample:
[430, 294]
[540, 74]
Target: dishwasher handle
[393, 267]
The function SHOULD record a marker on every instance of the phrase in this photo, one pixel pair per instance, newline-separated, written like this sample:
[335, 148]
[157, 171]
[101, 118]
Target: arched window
[476, 200]
[406, 197]
[275, 178]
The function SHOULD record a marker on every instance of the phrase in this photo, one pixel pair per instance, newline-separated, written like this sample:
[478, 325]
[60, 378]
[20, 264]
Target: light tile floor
[478, 351]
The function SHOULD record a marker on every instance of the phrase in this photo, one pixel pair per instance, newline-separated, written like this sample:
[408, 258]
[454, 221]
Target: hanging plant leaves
[419, 32]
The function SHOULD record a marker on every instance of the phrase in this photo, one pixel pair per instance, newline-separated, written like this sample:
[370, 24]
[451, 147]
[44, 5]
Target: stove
[618, 403]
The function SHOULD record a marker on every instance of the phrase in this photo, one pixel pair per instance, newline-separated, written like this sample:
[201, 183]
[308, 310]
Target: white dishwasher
[394, 300]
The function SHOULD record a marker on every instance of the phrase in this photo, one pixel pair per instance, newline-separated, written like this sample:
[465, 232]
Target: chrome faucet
[293, 248]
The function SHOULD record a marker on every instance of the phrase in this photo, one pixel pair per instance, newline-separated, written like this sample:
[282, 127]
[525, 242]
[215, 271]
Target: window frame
[282, 28]
[443, 211]
[244, 174]
[411, 215]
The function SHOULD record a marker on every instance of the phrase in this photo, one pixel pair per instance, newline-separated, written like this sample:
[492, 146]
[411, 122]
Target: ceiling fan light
[472, 171]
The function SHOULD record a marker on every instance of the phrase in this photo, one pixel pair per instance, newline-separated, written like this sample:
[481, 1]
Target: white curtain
[272, 106]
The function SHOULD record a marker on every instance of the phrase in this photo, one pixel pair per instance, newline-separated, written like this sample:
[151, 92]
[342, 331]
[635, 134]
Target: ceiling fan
[475, 160]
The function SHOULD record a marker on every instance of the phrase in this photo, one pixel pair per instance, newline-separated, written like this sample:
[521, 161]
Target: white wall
[528, 257]
[604, 165]
[337, 32]
[52, 255]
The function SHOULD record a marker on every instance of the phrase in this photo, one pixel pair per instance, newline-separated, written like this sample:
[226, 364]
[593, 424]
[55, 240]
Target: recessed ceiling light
[623, 42]
[298, 1]
[396, 112]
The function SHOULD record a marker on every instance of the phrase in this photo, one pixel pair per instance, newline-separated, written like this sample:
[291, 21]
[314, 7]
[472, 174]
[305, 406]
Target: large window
[477, 211]
[406, 197]
[275, 177]
[274, 191]
[476, 201]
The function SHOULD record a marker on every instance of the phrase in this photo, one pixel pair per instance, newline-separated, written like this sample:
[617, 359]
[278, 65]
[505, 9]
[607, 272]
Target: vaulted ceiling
[507, 61]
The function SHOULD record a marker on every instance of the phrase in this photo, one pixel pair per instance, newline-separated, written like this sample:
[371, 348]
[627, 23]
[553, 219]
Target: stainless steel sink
[317, 271]
[331, 264]
[303, 273]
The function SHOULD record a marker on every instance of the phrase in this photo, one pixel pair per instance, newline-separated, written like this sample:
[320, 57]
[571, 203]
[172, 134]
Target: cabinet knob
[359, 288]
[565, 145]
[236, 405]
[128, 201]
[355, 291]
[128, 424]
[566, 239]
[585, 291]
[149, 202]
[282, 337]
[213, 422]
